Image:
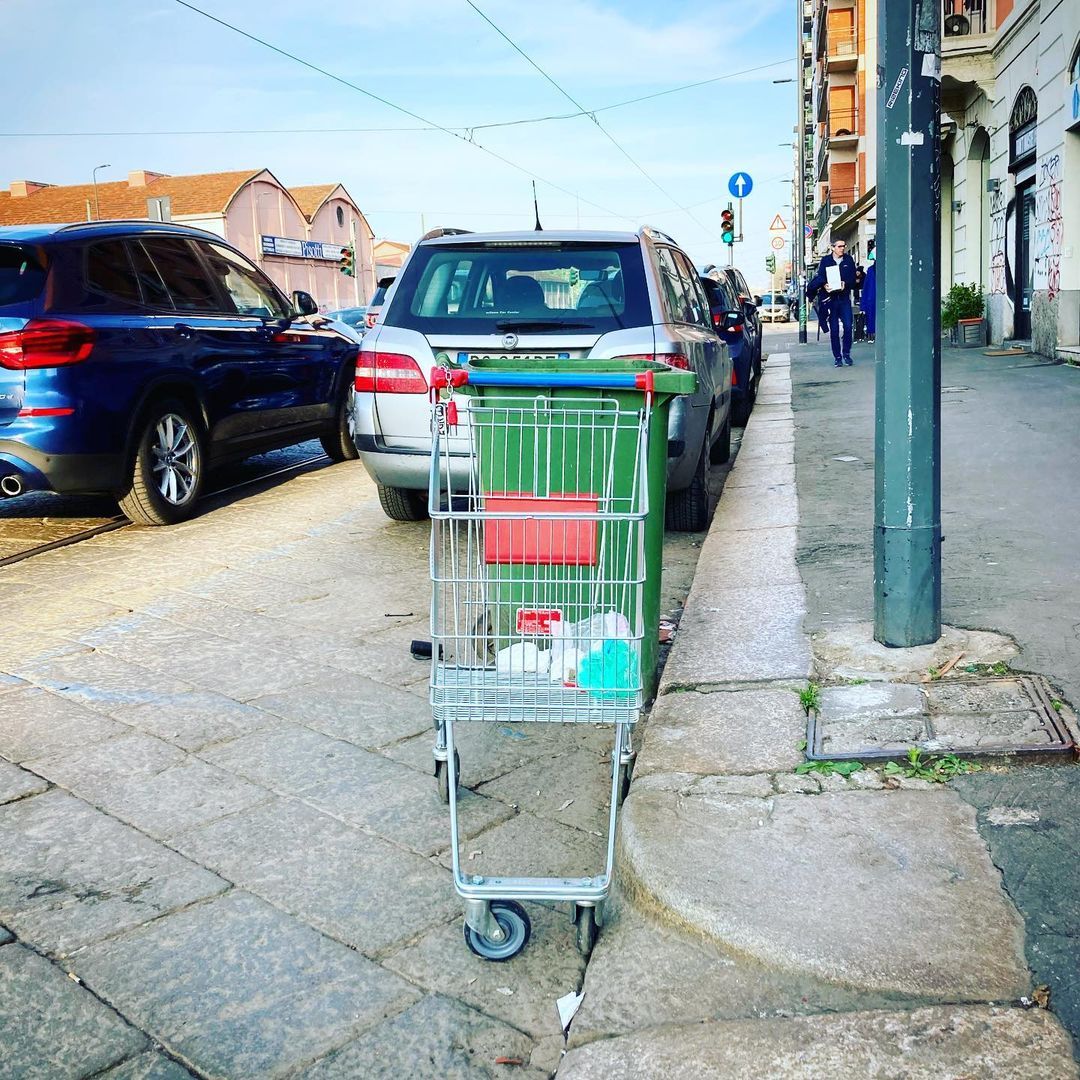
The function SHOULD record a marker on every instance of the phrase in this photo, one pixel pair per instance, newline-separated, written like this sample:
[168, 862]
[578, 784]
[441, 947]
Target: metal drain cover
[1008, 715]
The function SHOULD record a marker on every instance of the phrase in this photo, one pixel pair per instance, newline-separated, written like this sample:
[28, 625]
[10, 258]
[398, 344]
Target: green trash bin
[585, 472]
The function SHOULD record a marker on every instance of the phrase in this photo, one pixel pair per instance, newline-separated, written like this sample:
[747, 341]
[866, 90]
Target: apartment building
[844, 100]
[1011, 165]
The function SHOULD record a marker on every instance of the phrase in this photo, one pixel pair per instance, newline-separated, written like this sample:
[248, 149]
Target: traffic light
[727, 225]
[575, 275]
[770, 263]
[347, 264]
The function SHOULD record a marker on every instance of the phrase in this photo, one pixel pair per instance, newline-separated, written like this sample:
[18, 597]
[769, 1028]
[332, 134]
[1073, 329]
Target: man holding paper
[836, 277]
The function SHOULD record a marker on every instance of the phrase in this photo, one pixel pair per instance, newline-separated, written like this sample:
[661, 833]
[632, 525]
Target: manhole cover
[1008, 715]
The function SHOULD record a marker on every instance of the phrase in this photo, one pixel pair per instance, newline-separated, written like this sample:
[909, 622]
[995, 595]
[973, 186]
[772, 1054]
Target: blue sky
[155, 66]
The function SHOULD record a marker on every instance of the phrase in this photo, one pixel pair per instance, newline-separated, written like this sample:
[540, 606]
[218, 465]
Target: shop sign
[300, 249]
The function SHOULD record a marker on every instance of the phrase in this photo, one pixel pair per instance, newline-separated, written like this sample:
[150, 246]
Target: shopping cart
[537, 572]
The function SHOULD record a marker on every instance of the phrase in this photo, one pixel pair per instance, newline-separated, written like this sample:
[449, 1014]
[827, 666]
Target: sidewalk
[781, 925]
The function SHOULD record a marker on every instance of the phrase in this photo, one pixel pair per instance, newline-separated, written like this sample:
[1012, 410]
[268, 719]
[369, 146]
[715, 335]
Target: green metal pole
[907, 519]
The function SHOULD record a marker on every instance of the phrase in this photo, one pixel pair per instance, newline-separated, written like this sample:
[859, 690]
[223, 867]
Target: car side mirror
[757, 301]
[304, 303]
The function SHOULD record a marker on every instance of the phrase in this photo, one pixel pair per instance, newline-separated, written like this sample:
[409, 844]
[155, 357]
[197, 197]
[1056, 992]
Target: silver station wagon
[568, 295]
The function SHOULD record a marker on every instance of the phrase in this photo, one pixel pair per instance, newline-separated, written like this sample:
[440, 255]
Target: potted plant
[962, 315]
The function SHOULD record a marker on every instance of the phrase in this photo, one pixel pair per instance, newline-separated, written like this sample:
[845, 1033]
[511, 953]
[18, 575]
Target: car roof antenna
[536, 209]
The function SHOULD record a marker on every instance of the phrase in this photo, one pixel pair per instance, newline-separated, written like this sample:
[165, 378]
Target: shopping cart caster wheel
[515, 924]
[442, 777]
[585, 917]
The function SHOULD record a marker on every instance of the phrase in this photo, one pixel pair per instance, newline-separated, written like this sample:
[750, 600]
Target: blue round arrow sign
[740, 185]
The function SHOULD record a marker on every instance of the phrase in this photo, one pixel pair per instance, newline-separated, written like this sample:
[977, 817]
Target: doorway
[1025, 269]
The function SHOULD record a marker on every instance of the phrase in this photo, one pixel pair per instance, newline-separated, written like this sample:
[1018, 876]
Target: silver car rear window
[487, 288]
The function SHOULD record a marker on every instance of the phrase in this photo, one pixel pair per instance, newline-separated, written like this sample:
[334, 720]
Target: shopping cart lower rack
[537, 576]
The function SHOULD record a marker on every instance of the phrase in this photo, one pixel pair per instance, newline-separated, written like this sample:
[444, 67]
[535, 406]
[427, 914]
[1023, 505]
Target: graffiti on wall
[1048, 227]
[998, 213]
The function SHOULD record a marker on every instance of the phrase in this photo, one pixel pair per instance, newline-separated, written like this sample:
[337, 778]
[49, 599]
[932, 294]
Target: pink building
[294, 234]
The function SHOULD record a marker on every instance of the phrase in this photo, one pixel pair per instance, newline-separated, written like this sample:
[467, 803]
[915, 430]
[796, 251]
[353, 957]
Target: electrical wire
[607, 134]
[366, 130]
[398, 108]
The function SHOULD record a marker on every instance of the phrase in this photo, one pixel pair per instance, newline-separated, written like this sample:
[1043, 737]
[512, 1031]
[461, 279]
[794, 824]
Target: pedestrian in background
[868, 300]
[839, 295]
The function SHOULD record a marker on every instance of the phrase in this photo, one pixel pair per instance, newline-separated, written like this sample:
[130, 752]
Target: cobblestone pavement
[221, 850]
[40, 518]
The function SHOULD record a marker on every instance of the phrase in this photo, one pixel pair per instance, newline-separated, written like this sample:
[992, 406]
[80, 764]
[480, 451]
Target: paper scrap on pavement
[504, 990]
[568, 1006]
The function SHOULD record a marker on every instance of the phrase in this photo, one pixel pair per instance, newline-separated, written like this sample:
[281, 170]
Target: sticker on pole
[538, 623]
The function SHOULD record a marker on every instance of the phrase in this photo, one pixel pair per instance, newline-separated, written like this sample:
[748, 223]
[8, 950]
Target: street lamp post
[97, 204]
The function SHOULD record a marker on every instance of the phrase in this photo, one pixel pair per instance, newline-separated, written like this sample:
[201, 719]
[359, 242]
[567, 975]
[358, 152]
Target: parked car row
[136, 356]
[568, 295]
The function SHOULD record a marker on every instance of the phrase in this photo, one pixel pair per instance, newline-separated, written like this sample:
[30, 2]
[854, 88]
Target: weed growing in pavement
[856, 682]
[1058, 704]
[829, 768]
[936, 770]
[1000, 668]
[810, 698]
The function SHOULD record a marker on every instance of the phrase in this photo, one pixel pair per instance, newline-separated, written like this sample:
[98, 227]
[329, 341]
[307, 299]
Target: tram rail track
[120, 522]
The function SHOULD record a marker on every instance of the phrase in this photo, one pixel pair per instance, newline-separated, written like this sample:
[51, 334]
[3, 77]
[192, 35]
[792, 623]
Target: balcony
[843, 127]
[967, 43]
[842, 50]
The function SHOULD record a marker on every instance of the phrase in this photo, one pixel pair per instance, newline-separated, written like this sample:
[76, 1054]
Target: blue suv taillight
[44, 343]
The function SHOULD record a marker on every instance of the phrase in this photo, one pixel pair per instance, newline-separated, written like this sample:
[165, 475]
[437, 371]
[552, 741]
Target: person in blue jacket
[868, 299]
[839, 299]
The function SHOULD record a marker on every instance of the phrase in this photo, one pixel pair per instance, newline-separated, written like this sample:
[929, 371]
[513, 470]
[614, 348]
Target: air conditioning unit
[836, 209]
[957, 26]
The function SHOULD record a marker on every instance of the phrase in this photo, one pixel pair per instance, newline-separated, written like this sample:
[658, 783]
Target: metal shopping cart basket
[537, 572]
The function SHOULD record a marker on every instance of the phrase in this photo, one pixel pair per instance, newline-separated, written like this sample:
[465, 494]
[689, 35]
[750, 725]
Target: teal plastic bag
[610, 671]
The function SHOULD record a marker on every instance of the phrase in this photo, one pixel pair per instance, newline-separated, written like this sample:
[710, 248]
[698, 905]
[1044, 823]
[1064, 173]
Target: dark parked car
[135, 356]
[731, 324]
[737, 283]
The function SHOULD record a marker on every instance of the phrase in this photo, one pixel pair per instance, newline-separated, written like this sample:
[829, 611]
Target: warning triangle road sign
[778, 224]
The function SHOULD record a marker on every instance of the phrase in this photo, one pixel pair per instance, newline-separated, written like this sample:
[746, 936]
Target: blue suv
[136, 356]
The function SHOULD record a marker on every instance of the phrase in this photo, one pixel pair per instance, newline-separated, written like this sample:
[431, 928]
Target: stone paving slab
[331, 875]
[71, 875]
[193, 718]
[879, 878]
[947, 1042]
[748, 731]
[770, 454]
[765, 558]
[35, 722]
[766, 414]
[239, 989]
[435, 1039]
[530, 846]
[549, 967]
[871, 701]
[488, 751]
[51, 1028]
[546, 785]
[773, 506]
[645, 974]
[728, 635]
[361, 788]
[362, 711]
[753, 474]
[16, 783]
[150, 1066]
[150, 784]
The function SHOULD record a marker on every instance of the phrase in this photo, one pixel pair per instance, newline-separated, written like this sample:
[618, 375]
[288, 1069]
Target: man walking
[837, 286]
